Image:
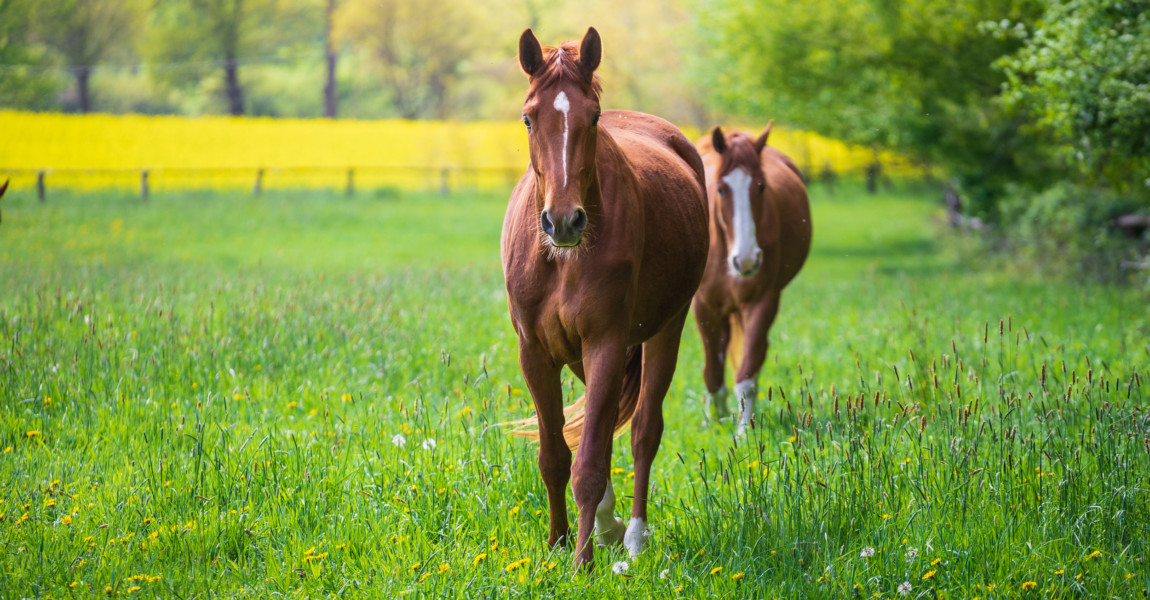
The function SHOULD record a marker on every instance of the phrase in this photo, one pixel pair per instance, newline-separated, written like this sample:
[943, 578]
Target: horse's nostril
[580, 221]
[546, 224]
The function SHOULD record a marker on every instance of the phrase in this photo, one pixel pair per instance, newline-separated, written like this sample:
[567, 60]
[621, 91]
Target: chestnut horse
[604, 242]
[760, 238]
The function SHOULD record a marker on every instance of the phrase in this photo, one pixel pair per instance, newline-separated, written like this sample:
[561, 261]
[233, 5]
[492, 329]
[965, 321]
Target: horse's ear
[718, 142]
[530, 53]
[762, 141]
[590, 52]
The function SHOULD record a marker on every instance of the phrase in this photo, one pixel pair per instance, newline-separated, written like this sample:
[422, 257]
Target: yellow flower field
[93, 151]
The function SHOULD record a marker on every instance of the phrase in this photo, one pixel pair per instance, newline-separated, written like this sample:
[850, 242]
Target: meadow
[299, 395]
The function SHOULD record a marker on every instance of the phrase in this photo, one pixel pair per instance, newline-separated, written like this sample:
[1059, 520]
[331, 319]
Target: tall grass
[218, 395]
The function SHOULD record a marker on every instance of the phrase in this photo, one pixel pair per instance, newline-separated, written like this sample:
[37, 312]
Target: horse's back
[652, 143]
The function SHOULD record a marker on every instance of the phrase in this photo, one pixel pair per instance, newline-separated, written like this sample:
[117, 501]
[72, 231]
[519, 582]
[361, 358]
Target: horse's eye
[527, 122]
[595, 119]
[723, 192]
[762, 187]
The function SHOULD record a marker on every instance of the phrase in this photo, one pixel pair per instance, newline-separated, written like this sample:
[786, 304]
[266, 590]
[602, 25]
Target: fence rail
[442, 178]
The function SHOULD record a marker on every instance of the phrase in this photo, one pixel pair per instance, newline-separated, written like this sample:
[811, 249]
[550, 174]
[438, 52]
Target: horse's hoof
[612, 535]
[635, 540]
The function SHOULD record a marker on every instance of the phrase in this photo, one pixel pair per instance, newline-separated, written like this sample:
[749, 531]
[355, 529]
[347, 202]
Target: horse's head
[561, 113]
[742, 187]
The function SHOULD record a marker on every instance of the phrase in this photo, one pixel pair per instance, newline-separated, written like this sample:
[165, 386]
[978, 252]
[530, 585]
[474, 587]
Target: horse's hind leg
[546, 389]
[660, 354]
[715, 329]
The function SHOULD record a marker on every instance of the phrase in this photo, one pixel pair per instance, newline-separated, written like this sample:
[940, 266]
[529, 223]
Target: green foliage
[1083, 79]
[24, 83]
[214, 383]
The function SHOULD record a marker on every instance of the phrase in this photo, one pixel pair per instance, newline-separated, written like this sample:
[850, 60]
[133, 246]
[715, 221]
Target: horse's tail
[735, 344]
[575, 414]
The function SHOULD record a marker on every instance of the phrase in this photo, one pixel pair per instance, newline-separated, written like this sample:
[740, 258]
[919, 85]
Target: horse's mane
[561, 63]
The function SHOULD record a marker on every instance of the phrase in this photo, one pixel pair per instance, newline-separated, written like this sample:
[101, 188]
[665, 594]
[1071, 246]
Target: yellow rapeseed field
[93, 151]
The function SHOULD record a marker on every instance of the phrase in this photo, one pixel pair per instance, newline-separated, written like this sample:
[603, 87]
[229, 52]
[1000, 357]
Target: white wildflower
[620, 567]
[867, 552]
[399, 440]
[664, 573]
[904, 589]
[429, 444]
[911, 553]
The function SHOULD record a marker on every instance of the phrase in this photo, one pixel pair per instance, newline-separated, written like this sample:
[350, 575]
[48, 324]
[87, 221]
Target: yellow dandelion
[1028, 585]
[617, 471]
[424, 577]
[73, 584]
[514, 511]
[929, 574]
[134, 588]
[50, 502]
[1059, 572]
[444, 567]
[345, 397]
[416, 566]
[934, 563]
[8, 449]
[885, 516]
[678, 589]
[548, 567]
[463, 412]
[792, 439]
[494, 544]
[67, 520]
[716, 570]
[479, 558]
[32, 433]
[238, 397]
[737, 576]
[1094, 554]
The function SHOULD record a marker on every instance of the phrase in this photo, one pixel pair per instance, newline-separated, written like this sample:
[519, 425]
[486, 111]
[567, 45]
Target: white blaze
[739, 182]
[564, 106]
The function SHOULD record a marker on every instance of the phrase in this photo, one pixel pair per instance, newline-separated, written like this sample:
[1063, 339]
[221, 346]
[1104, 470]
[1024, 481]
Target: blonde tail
[576, 414]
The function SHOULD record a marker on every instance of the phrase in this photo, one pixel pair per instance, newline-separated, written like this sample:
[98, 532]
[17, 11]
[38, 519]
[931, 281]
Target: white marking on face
[746, 245]
[564, 106]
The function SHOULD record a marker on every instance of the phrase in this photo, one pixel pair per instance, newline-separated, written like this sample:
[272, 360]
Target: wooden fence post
[144, 185]
[259, 187]
[40, 185]
[350, 182]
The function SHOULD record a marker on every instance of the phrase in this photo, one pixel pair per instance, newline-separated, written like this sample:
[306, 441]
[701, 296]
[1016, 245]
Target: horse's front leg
[758, 318]
[543, 381]
[604, 366]
[715, 329]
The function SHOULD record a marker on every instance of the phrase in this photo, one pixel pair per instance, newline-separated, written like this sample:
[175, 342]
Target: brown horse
[604, 242]
[760, 238]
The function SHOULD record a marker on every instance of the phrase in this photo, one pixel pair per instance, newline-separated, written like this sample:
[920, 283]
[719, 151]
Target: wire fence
[443, 179]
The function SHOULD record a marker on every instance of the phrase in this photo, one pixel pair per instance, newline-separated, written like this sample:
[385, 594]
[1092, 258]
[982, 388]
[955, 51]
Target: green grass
[209, 388]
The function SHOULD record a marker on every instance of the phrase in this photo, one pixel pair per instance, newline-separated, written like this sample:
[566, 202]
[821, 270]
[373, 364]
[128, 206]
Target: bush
[1067, 229]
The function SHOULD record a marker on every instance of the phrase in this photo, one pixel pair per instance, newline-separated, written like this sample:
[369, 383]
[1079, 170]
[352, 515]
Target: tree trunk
[235, 93]
[83, 89]
[330, 107]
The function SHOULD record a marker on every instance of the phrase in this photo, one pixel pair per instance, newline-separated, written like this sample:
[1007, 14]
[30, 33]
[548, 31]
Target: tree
[85, 32]
[420, 47]
[1083, 80]
[221, 32]
[329, 89]
[915, 76]
[23, 81]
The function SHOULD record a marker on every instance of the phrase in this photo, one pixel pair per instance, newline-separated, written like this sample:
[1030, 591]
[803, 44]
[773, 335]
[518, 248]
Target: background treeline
[1036, 112]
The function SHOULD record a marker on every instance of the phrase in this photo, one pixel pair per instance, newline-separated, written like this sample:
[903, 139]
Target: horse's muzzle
[745, 266]
[564, 232]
